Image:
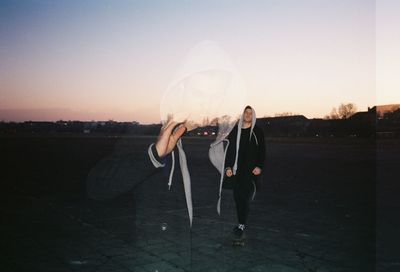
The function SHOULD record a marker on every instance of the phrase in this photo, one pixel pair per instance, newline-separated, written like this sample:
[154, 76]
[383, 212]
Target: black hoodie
[251, 152]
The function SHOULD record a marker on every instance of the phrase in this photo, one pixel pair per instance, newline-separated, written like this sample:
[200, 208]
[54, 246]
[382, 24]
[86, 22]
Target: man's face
[248, 115]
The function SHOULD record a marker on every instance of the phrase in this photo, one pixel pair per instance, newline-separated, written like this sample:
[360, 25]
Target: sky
[102, 60]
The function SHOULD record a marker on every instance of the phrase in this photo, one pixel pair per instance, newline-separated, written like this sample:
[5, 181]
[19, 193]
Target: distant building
[380, 110]
[294, 125]
[387, 120]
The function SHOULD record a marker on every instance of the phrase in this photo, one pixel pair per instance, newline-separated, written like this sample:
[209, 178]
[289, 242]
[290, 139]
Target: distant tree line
[342, 122]
[344, 111]
[100, 127]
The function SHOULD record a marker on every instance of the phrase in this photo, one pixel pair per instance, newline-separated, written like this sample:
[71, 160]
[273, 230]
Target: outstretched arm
[121, 173]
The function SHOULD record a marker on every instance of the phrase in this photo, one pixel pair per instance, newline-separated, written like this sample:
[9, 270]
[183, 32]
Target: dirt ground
[325, 205]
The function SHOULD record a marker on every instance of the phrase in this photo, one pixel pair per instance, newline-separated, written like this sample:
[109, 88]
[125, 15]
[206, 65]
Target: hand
[168, 137]
[256, 171]
[229, 172]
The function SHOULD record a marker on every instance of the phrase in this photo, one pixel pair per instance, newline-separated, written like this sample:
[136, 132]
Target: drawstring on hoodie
[255, 190]
[222, 178]
[172, 170]
[255, 137]
[185, 177]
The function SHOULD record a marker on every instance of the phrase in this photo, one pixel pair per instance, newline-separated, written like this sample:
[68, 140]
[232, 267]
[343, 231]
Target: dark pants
[243, 191]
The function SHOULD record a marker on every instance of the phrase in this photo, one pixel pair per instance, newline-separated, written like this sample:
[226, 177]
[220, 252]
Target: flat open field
[323, 204]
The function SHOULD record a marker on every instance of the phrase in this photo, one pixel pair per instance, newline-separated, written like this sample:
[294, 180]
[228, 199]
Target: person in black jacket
[245, 160]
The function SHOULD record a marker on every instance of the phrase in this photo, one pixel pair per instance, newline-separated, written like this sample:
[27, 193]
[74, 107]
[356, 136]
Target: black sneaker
[238, 233]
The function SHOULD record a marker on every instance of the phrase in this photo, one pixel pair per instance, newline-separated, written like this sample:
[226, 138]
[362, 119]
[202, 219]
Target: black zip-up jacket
[122, 172]
[251, 152]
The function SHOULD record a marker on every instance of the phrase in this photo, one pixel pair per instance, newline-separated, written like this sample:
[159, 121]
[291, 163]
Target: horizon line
[41, 111]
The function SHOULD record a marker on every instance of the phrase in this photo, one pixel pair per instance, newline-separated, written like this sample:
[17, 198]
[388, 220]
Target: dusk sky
[101, 60]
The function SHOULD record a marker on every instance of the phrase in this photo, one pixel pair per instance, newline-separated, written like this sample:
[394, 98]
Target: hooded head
[248, 114]
[206, 88]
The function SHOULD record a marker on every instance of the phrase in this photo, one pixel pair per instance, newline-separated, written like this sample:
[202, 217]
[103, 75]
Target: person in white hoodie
[208, 86]
[245, 160]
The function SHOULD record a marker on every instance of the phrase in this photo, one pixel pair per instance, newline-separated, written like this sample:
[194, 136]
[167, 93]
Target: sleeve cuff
[153, 155]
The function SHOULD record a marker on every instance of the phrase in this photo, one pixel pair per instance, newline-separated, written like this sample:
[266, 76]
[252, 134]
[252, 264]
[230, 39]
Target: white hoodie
[206, 86]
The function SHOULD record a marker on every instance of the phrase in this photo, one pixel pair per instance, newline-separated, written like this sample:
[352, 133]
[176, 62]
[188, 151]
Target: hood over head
[206, 89]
